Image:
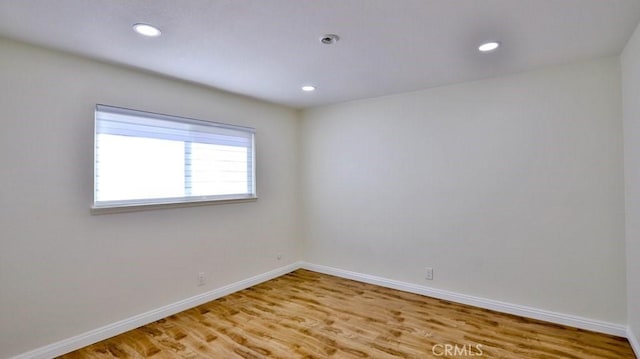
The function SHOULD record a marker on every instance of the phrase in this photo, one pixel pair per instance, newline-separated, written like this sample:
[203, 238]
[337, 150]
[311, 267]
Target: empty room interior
[320, 179]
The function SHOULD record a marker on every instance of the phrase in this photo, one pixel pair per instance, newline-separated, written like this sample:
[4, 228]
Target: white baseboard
[108, 331]
[528, 312]
[633, 340]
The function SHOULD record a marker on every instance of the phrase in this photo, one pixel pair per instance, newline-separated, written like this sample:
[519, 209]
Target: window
[144, 158]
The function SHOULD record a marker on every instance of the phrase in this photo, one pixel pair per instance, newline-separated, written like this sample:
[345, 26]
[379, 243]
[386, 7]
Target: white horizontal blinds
[143, 158]
[125, 122]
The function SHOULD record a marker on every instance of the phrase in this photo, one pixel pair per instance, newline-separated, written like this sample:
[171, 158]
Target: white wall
[510, 188]
[64, 271]
[631, 113]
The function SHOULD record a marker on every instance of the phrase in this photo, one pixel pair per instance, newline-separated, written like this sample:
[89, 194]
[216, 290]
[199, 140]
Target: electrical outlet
[428, 273]
[201, 279]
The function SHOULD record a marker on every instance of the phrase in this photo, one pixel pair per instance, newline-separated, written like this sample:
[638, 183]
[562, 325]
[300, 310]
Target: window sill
[154, 206]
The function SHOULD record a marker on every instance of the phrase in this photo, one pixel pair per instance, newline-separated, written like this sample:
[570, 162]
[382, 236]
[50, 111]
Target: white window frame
[105, 114]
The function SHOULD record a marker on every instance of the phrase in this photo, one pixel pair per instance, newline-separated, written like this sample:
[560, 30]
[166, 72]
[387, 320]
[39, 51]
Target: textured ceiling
[268, 49]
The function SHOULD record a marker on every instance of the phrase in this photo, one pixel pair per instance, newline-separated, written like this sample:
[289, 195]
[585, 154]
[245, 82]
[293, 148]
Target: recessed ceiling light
[308, 88]
[489, 46]
[146, 30]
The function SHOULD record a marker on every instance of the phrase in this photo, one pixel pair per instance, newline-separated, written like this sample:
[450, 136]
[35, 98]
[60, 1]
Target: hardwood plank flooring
[310, 315]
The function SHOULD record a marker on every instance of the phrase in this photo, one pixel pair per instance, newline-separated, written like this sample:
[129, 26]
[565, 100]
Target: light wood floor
[309, 315]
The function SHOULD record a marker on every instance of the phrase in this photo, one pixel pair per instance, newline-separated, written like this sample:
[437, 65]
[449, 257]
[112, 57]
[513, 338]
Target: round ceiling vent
[329, 39]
